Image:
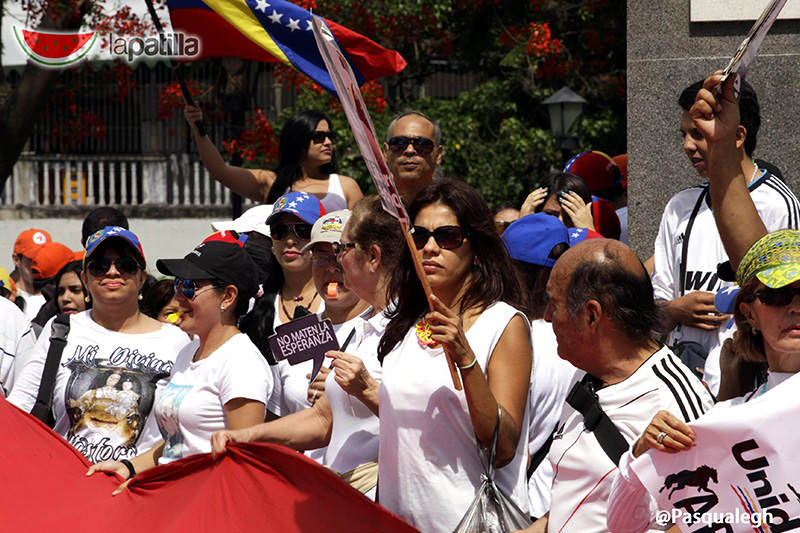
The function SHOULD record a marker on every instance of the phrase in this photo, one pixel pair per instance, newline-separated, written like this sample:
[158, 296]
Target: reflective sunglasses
[446, 237]
[319, 136]
[281, 231]
[188, 287]
[501, 225]
[97, 266]
[777, 297]
[422, 145]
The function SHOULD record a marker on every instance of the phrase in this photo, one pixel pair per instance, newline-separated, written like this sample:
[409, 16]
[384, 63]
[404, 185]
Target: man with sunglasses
[413, 152]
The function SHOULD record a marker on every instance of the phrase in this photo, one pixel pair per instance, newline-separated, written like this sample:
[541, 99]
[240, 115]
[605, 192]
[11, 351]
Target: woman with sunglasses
[345, 418]
[428, 429]
[307, 163]
[220, 380]
[107, 346]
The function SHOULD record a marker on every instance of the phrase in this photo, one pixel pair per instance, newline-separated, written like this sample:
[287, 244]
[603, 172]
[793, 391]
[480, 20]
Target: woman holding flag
[429, 467]
[307, 164]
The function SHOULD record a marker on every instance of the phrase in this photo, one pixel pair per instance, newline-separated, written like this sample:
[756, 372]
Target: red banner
[254, 487]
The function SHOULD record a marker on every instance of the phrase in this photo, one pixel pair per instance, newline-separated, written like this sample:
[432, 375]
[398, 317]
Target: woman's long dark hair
[492, 275]
[295, 136]
[50, 308]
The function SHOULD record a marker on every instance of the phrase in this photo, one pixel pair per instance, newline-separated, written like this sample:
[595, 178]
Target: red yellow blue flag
[277, 31]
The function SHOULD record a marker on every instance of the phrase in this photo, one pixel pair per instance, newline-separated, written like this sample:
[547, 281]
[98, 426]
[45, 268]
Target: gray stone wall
[666, 53]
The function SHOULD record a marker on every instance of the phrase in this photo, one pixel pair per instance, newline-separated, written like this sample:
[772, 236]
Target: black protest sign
[303, 339]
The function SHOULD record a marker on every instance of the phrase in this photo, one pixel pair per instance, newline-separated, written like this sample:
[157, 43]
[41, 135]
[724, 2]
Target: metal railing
[41, 181]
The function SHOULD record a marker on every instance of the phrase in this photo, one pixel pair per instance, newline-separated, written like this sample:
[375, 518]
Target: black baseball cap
[224, 261]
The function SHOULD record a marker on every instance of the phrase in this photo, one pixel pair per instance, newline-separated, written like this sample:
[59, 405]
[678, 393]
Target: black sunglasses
[447, 237]
[777, 297]
[97, 266]
[422, 145]
[281, 231]
[319, 136]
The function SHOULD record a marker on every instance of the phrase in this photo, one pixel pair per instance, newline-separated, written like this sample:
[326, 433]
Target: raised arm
[250, 183]
[716, 116]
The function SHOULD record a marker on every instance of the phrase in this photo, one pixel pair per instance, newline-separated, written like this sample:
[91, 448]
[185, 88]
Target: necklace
[298, 299]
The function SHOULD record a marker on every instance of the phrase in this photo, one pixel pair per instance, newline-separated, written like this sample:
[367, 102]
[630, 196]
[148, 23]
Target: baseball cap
[599, 171]
[577, 235]
[6, 282]
[533, 237]
[254, 219]
[606, 221]
[301, 204]
[726, 298]
[51, 257]
[328, 228]
[115, 232]
[224, 261]
[29, 241]
[774, 259]
[227, 236]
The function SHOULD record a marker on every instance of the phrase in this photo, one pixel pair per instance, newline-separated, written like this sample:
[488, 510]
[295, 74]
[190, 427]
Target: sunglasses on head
[319, 136]
[97, 266]
[281, 231]
[777, 297]
[188, 287]
[446, 237]
[422, 145]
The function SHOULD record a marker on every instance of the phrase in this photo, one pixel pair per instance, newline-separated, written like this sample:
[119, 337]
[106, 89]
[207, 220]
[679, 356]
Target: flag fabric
[253, 487]
[277, 31]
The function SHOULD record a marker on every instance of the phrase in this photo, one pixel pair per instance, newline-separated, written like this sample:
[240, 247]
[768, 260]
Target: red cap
[51, 258]
[605, 218]
[622, 163]
[599, 171]
[29, 241]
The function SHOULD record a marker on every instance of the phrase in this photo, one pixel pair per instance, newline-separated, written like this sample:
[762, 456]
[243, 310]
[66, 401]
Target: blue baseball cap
[726, 298]
[305, 206]
[115, 232]
[531, 238]
[577, 235]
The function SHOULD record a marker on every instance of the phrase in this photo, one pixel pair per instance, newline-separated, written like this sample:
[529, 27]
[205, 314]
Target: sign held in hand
[303, 339]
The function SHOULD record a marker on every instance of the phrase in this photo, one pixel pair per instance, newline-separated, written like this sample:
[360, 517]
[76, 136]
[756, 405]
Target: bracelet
[465, 367]
[129, 465]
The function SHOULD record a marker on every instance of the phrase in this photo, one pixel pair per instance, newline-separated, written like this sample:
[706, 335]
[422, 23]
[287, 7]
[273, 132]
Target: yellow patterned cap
[774, 259]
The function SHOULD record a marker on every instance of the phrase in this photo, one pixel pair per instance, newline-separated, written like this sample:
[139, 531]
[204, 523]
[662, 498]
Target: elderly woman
[429, 466]
[113, 342]
[345, 418]
[220, 380]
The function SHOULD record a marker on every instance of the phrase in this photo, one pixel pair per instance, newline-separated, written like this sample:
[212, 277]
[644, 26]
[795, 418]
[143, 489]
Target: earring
[87, 298]
[222, 308]
[755, 331]
[140, 297]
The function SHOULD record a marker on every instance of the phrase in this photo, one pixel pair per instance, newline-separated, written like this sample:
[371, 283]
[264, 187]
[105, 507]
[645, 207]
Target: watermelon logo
[54, 49]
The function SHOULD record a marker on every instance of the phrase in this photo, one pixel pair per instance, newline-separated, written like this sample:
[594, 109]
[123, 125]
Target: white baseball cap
[328, 228]
[254, 219]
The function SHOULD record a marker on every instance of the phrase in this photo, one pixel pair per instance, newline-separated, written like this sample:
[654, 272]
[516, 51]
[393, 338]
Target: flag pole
[178, 68]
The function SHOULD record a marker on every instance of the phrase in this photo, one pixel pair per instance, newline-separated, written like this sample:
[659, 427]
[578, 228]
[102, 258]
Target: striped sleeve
[786, 214]
[686, 390]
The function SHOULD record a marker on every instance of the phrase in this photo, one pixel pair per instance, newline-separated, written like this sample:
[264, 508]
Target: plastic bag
[491, 511]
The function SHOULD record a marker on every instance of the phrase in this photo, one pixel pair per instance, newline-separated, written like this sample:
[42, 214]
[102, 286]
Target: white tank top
[334, 199]
[429, 467]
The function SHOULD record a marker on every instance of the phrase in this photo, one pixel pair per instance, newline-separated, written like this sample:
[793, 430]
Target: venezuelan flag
[277, 31]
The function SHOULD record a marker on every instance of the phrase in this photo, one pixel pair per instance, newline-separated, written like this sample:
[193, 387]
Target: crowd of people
[573, 356]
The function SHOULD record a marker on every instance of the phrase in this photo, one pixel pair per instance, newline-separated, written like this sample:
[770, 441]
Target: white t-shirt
[354, 437]
[429, 467]
[16, 341]
[33, 302]
[190, 407]
[551, 378]
[105, 386]
[777, 207]
[628, 496]
[583, 471]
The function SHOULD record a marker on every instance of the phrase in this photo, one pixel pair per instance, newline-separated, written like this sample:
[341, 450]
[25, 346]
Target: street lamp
[565, 108]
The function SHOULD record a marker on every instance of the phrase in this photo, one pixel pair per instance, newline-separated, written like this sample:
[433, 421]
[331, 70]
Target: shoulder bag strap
[541, 453]
[58, 340]
[583, 399]
[685, 247]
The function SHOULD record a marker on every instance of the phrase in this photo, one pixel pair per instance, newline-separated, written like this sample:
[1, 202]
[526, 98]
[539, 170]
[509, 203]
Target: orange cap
[50, 258]
[622, 162]
[79, 255]
[29, 241]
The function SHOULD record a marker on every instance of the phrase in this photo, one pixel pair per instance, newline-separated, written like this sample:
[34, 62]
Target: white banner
[742, 474]
[358, 116]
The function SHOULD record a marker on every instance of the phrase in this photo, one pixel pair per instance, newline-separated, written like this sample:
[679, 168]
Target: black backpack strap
[686, 234]
[541, 453]
[583, 399]
[58, 340]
